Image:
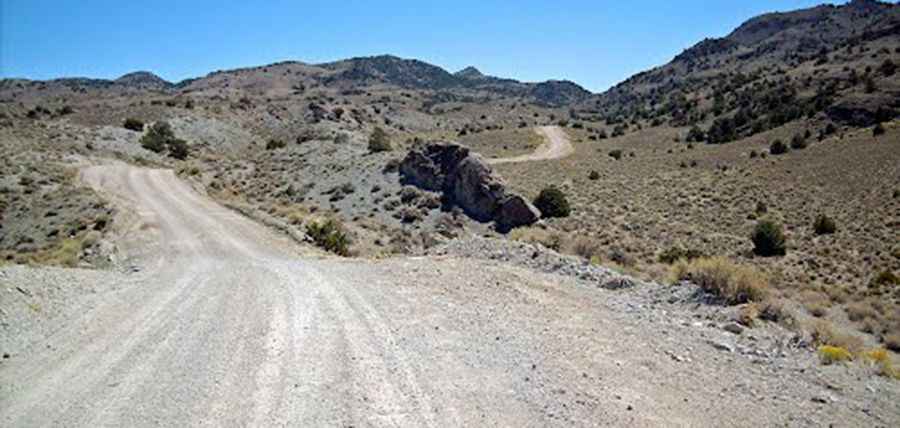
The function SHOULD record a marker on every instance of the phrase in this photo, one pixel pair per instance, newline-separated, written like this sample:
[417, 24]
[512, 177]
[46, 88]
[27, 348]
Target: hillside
[833, 63]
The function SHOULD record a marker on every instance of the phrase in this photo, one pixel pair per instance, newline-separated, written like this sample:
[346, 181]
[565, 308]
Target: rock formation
[467, 181]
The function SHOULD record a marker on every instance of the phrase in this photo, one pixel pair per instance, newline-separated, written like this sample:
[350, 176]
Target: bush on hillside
[178, 149]
[552, 202]
[768, 239]
[329, 235]
[878, 130]
[778, 148]
[158, 137]
[275, 144]
[379, 141]
[133, 124]
[824, 225]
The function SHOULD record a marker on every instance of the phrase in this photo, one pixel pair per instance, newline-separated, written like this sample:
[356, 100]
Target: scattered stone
[617, 283]
[733, 328]
[722, 346]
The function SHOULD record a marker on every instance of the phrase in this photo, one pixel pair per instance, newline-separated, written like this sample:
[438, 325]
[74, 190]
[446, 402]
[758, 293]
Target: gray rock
[515, 211]
[468, 182]
[722, 346]
[617, 283]
[733, 328]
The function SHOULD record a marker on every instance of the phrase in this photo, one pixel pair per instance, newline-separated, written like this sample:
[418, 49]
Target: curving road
[226, 326]
[557, 146]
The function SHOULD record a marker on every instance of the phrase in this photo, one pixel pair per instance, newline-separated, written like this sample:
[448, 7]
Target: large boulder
[515, 211]
[428, 165]
[467, 181]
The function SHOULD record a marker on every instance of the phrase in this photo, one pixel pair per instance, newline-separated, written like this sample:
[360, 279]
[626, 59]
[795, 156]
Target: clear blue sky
[594, 43]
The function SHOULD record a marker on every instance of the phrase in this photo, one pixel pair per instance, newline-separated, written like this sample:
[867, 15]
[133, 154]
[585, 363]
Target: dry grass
[731, 282]
[834, 354]
[586, 247]
[824, 334]
[65, 253]
[748, 314]
[532, 235]
[881, 359]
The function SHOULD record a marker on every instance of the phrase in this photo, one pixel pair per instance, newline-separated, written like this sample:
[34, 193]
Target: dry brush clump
[731, 282]
[330, 235]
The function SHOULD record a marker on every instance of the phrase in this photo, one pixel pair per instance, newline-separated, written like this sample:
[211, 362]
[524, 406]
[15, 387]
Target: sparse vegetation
[733, 283]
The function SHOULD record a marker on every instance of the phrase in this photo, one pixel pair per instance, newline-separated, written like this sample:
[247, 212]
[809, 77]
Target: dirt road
[557, 146]
[225, 325]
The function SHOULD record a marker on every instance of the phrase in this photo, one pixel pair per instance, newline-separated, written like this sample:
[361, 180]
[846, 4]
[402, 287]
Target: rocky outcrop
[467, 181]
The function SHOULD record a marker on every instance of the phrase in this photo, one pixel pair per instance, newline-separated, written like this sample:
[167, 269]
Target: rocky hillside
[835, 63]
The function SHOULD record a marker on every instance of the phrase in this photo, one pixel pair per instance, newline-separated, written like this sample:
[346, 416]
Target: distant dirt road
[557, 146]
[226, 325]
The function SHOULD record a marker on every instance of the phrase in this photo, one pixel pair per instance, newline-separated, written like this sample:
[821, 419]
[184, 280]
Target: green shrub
[594, 175]
[275, 144]
[778, 147]
[379, 141]
[329, 235]
[133, 124]
[178, 149]
[878, 130]
[552, 202]
[824, 225]
[798, 142]
[158, 137]
[616, 154]
[768, 239]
